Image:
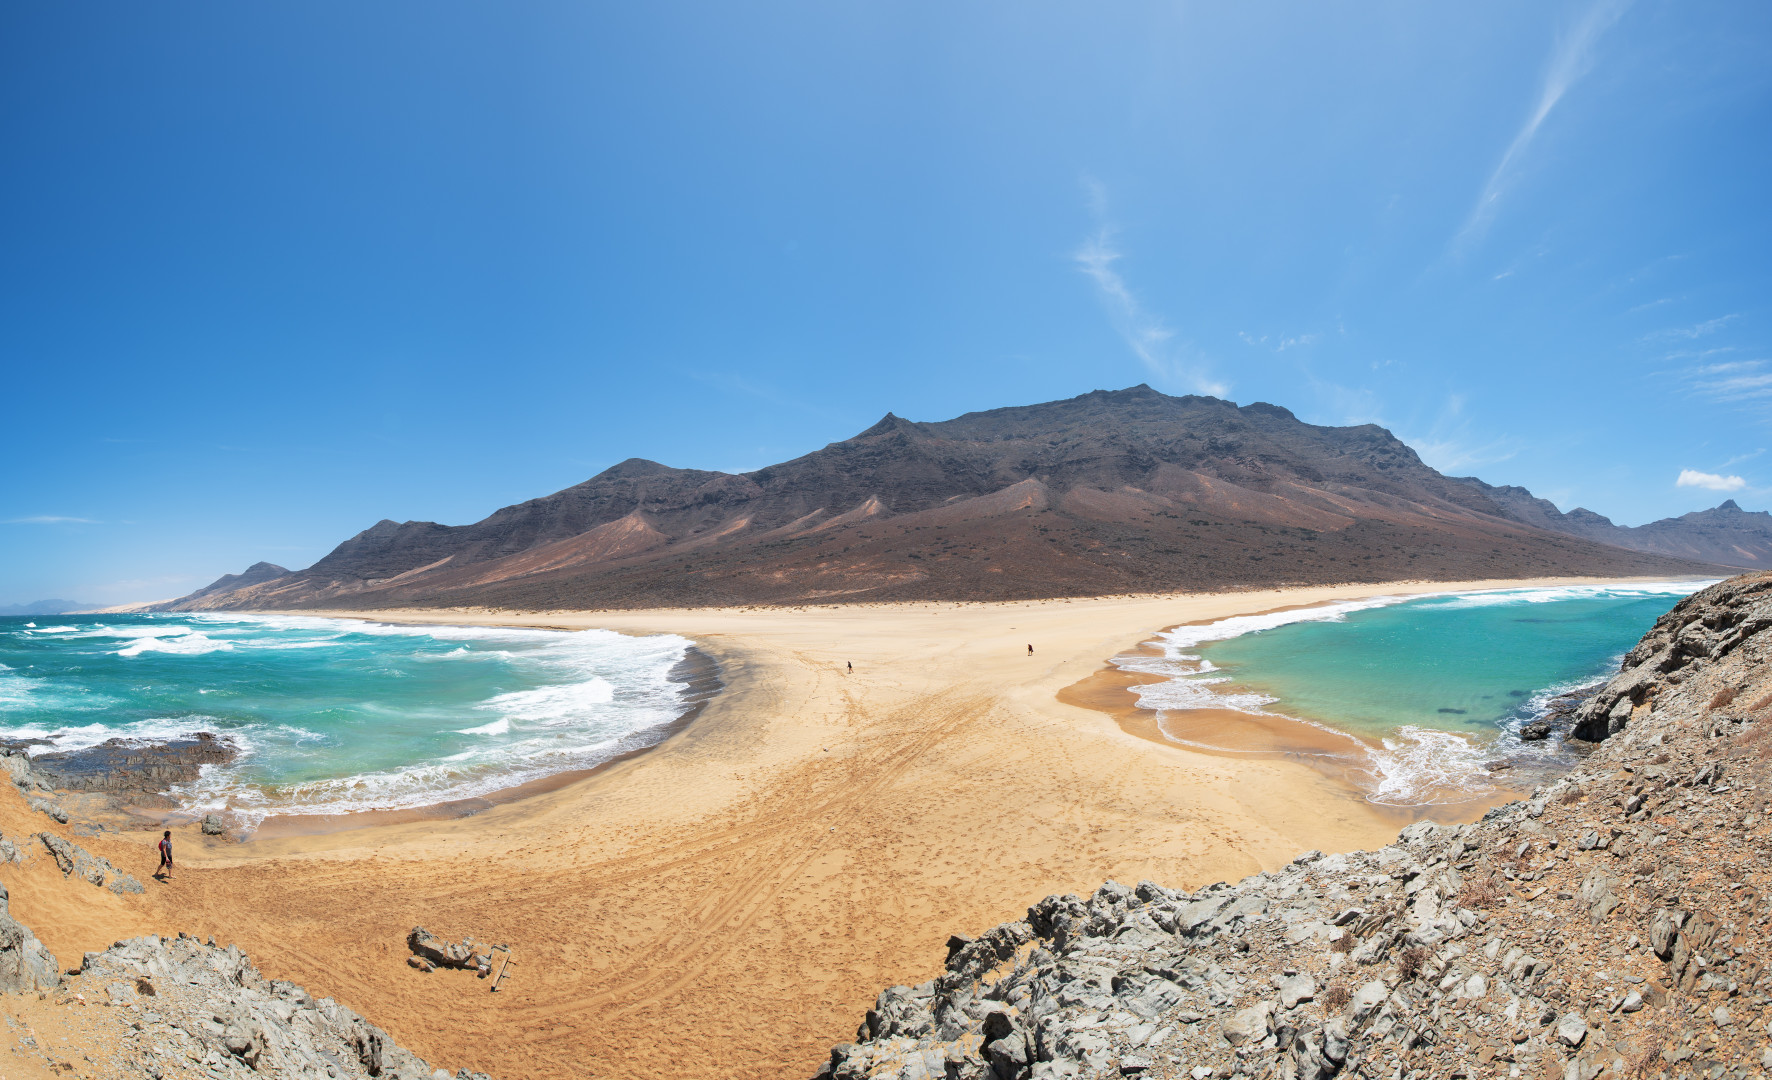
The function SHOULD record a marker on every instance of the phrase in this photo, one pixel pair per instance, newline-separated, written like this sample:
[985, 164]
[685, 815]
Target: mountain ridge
[1107, 492]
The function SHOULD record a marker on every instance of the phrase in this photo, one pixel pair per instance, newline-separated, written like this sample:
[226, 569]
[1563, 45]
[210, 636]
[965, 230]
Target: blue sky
[272, 272]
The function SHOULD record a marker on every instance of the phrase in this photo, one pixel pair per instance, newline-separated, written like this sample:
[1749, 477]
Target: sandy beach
[728, 903]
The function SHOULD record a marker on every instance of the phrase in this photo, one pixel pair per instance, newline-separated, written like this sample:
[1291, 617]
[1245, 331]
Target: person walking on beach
[1030, 650]
[850, 665]
[165, 855]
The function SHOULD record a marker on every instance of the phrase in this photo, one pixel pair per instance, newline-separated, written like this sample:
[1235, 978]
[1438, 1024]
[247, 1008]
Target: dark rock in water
[1454, 712]
[133, 767]
[214, 826]
[1536, 731]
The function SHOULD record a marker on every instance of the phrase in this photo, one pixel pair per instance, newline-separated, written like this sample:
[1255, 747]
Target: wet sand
[729, 902]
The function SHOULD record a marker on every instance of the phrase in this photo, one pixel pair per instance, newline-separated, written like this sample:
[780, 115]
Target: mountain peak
[889, 423]
[1728, 504]
[1131, 490]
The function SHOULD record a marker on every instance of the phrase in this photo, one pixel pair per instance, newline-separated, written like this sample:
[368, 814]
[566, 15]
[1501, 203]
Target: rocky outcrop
[1611, 925]
[184, 1000]
[179, 1002]
[39, 796]
[24, 963]
[131, 767]
[75, 861]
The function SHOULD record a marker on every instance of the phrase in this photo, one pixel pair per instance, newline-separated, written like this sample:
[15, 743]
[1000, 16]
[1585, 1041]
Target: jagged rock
[213, 1004]
[214, 826]
[133, 767]
[1250, 1025]
[50, 807]
[1553, 937]
[24, 963]
[1571, 1029]
[1535, 731]
[1296, 988]
[16, 763]
[75, 861]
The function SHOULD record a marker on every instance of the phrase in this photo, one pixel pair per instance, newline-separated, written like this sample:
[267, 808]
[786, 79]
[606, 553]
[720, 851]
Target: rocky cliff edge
[1613, 925]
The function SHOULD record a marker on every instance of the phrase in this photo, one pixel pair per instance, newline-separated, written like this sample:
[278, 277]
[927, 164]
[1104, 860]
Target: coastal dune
[727, 903]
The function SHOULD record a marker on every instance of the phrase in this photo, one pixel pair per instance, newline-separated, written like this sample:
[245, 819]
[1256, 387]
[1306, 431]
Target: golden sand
[729, 903]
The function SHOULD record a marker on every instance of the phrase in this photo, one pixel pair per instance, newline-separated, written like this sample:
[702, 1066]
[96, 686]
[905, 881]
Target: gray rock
[214, 826]
[1571, 1029]
[24, 963]
[1249, 1025]
[50, 807]
[132, 766]
[1296, 988]
[1126, 975]
[76, 862]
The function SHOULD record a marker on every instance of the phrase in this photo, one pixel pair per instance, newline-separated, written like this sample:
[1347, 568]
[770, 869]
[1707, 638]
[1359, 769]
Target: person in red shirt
[165, 855]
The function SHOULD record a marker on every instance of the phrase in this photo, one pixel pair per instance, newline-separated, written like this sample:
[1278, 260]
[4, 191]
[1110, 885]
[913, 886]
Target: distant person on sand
[1030, 650]
[165, 855]
[850, 666]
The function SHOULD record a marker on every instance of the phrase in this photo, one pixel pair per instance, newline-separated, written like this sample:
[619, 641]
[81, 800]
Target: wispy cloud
[1733, 381]
[1709, 481]
[1572, 58]
[1697, 330]
[1280, 343]
[1144, 331]
[51, 519]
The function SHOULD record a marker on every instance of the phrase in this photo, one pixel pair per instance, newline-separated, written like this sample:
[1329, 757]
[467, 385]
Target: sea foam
[1412, 765]
[334, 715]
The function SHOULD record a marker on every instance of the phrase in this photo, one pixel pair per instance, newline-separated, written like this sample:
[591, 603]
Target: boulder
[1296, 988]
[1571, 1029]
[1250, 1025]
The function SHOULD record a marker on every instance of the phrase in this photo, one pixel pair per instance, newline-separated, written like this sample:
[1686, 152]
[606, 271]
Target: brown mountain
[1110, 492]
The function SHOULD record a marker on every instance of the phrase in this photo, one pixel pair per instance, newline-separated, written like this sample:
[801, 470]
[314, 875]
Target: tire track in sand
[799, 830]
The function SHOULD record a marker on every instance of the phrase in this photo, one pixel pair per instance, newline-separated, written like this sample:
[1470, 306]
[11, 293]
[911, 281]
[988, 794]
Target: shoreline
[785, 854]
[697, 671]
[1316, 745]
[1320, 745]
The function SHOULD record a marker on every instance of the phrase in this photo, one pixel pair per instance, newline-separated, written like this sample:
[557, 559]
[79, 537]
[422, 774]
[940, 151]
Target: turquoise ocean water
[339, 715]
[1436, 687]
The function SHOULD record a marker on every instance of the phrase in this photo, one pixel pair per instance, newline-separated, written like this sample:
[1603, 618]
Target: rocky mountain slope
[1109, 492]
[1726, 535]
[1612, 925]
